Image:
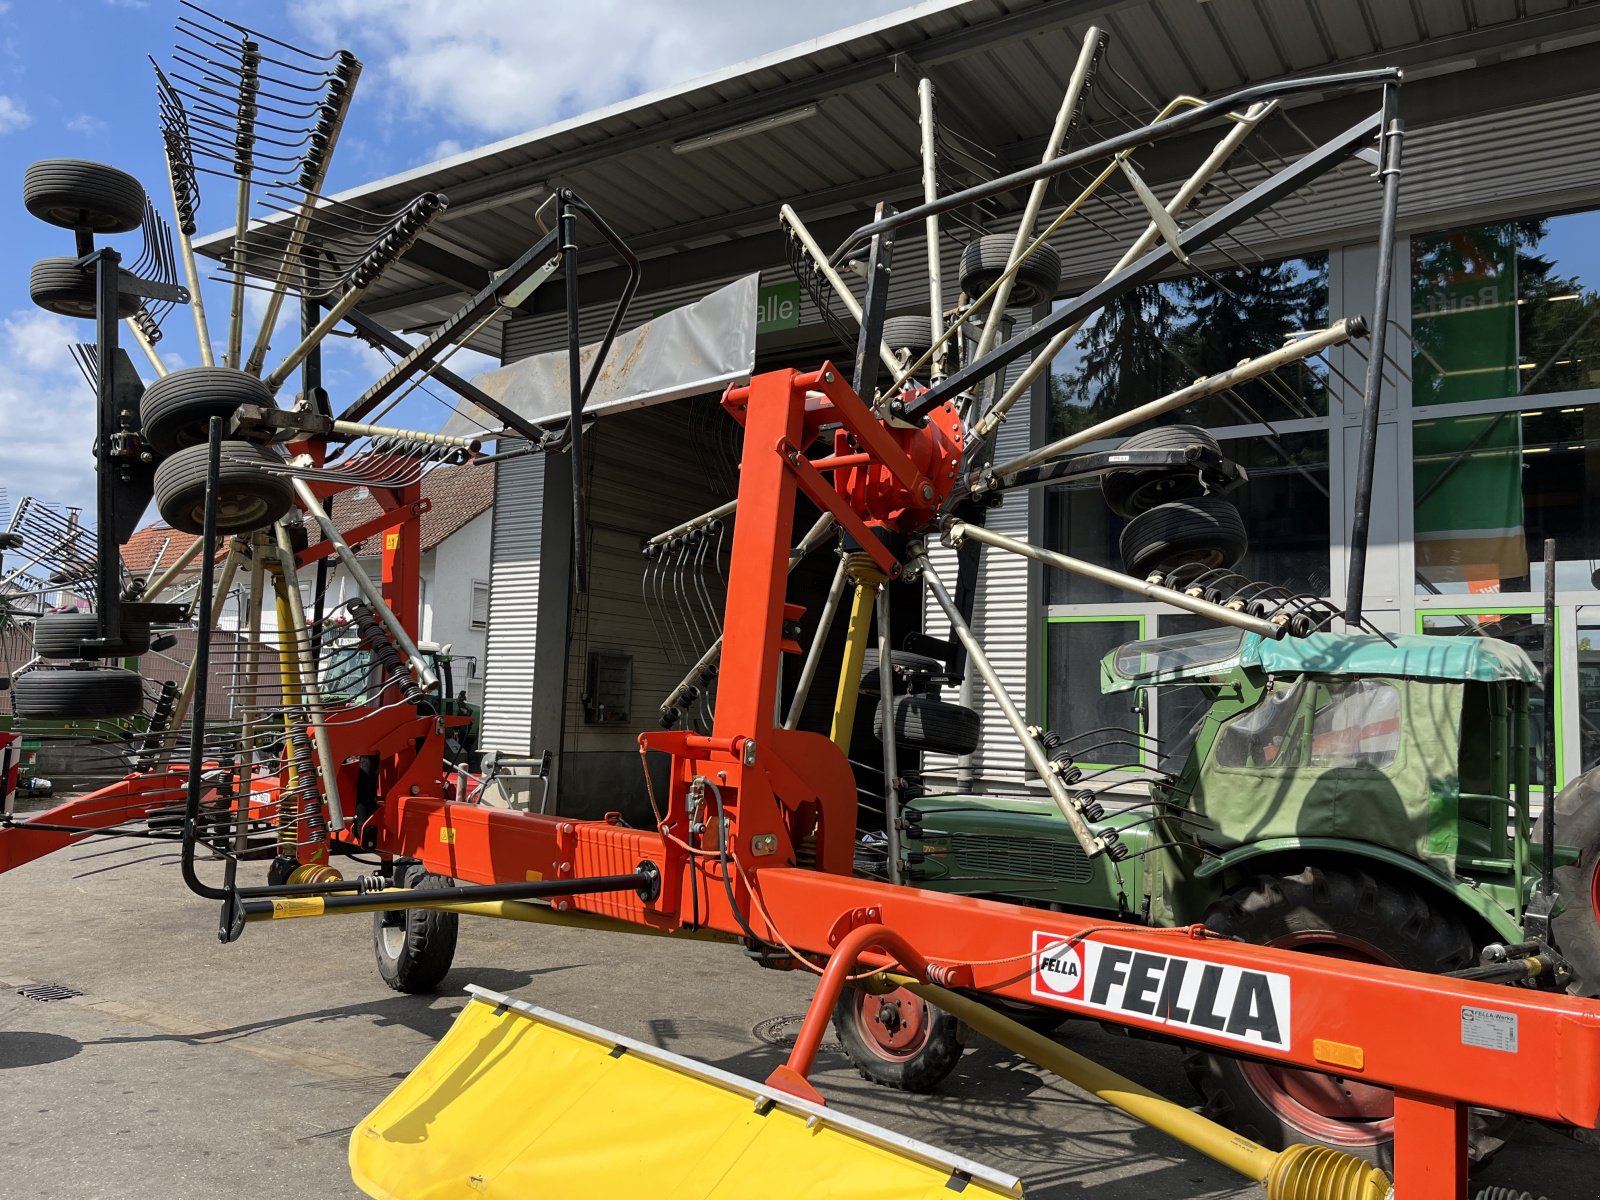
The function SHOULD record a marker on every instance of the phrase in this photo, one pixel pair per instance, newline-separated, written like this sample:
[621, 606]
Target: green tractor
[1343, 794]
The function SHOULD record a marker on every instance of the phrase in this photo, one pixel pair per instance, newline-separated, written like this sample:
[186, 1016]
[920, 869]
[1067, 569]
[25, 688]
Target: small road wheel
[76, 694]
[415, 946]
[76, 194]
[1577, 925]
[925, 723]
[898, 1039]
[61, 635]
[1341, 914]
[249, 495]
[176, 410]
[1134, 490]
[61, 286]
[986, 257]
[1204, 532]
[906, 669]
[910, 333]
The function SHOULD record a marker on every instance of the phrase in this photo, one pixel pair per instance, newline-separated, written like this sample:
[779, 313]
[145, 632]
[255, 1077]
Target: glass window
[1181, 709]
[1522, 629]
[1284, 507]
[1490, 487]
[1324, 725]
[1506, 309]
[1163, 336]
[1589, 685]
[1176, 652]
[1103, 730]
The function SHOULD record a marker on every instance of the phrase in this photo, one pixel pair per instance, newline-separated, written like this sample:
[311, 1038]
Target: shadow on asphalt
[24, 1048]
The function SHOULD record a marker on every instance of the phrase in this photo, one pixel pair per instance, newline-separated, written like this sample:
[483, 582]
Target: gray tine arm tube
[960, 530]
[930, 193]
[1295, 351]
[1191, 188]
[891, 765]
[310, 691]
[180, 707]
[164, 580]
[705, 518]
[1093, 44]
[1091, 842]
[369, 592]
[792, 219]
[814, 655]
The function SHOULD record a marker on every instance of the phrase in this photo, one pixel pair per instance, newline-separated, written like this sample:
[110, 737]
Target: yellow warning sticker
[296, 906]
[447, 835]
[391, 540]
[535, 876]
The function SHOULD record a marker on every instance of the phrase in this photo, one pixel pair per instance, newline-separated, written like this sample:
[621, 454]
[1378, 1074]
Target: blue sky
[440, 76]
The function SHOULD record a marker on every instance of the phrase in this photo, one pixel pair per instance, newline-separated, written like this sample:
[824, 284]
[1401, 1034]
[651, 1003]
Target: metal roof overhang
[705, 212]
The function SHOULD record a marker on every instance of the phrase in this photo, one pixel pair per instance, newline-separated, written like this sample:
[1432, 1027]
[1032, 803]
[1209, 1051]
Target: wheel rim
[1329, 1108]
[894, 1026]
[393, 937]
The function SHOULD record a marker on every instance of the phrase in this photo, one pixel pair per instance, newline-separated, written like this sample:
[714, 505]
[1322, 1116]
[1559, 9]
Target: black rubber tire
[1382, 915]
[910, 332]
[249, 497]
[984, 259]
[415, 946]
[176, 410]
[76, 194]
[1205, 531]
[905, 667]
[922, 1069]
[1131, 492]
[76, 694]
[61, 286]
[61, 635]
[924, 723]
[1577, 925]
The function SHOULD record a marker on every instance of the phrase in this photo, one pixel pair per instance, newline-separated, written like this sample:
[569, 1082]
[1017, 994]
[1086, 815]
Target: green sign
[778, 307]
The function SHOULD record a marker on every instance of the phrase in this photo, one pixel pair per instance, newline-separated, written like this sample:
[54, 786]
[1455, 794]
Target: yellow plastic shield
[520, 1103]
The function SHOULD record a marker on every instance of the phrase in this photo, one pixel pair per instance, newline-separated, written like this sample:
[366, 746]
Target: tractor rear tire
[1205, 532]
[61, 286]
[176, 410]
[249, 496]
[1577, 926]
[61, 635]
[77, 694]
[1342, 913]
[924, 723]
[415, 946]
[985, 258]
[898, 1040]
[1135, 490]
[76, 194]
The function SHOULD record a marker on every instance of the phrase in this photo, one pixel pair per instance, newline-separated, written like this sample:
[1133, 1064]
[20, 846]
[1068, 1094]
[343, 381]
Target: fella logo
[1189, 993]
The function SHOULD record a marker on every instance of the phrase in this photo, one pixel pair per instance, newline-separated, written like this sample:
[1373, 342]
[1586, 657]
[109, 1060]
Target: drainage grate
[48, 991]
[782, 1031]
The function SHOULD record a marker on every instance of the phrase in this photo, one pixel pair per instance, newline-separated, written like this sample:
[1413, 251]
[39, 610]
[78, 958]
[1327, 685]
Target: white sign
[1188, 993]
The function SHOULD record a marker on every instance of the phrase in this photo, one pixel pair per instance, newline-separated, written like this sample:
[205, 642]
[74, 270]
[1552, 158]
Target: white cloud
[445, 149]
[86, 124]
[46, 411]
[495, 68]
[12, 115]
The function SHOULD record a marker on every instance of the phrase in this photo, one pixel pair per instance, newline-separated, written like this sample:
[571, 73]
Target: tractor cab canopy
[1211, 653]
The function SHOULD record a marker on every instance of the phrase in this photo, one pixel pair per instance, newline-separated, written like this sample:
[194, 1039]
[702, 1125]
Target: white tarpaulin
[699, 348]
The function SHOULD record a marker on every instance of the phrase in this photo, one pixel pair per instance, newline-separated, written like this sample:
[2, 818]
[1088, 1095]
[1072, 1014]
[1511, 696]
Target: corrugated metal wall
[513, 606]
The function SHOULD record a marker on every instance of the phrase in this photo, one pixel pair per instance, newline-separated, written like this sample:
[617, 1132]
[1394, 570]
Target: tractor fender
[1501, 923]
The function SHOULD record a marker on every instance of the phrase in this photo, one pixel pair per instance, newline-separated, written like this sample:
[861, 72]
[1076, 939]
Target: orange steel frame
[788, 794]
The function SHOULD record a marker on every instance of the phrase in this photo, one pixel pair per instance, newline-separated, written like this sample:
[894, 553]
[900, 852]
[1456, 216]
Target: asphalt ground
[192, 1069]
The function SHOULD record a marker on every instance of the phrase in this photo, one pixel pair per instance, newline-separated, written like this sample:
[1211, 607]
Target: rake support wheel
[61, 286]
[176, 409]
[76, 194]
[985, 258]
[76, 694]
[1205, 532]
[249, 496]
[61, 635]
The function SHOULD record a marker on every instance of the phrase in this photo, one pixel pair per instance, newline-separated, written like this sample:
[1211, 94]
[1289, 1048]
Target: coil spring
[398, 240]
[300, 805]
[943, 976]
[1505, 1193]
[376, 639]
[244, 142]
[185, 187]
[147, 325]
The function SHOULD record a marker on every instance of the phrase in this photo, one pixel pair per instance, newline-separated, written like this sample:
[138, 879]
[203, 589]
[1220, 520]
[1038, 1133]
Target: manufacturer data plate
[1489, 1028]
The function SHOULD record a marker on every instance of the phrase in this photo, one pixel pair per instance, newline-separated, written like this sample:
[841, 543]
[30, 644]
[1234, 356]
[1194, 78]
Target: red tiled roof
[458, 494]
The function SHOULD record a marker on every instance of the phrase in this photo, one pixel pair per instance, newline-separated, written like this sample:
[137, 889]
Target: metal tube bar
[1372, 392]
[391, 899]
[792, 219]
[180, 706]
[930, 193]
[1547, 680]
[230, 357]
[1074, 311]
[332, 317]
[191, 274]
[108, 560]
[1094, 42]
[808, 672]
[310, 690]
[198, 679]
[360, 429]
[1091, 843]
[1181, 200]
[1154, 132]
[363, 583]
[252, 702]
[891, 763]
[705, 518]
[1295, 351]
[145, 344]
[164, 580]
[961, 530]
